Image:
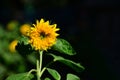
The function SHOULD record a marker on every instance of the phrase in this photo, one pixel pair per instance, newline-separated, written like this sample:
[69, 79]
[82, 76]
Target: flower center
[43, 35]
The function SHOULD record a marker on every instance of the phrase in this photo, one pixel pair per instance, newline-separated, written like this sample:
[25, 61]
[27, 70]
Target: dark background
[91, 26]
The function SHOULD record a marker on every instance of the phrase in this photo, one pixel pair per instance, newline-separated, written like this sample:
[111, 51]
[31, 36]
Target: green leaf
[72, 77]
[21, 76]
[75, 66]
[24, 40]
[63, 46]
[23, 47]
[47, 78]
[54, 74]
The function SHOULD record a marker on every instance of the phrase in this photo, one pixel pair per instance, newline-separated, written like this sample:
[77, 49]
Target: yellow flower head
[13, 45]
[24, 29]
[43, 35]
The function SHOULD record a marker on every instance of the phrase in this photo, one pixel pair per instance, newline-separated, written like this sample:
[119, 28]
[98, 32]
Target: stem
[38, 70]
[41, 55]
[32, 70]
[42, 71]
[39, 65]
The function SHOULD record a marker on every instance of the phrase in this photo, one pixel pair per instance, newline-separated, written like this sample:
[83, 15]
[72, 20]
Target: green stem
[32, 70]
[38, 70]
[42, 71]
[39, 65]
[41, 55]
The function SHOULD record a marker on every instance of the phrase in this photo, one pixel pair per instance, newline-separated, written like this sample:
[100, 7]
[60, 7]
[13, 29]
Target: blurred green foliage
[10, 60]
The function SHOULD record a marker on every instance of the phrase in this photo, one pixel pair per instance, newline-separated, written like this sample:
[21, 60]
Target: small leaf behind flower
[54, 74]
[21, 76]
[72, 77]
[75, 66]
[24, 40]
[63, 46]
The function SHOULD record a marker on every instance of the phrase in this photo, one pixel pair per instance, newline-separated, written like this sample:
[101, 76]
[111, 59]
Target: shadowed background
[92, 27]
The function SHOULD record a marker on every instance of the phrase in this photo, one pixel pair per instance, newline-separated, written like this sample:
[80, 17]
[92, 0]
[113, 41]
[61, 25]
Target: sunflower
[43, 35]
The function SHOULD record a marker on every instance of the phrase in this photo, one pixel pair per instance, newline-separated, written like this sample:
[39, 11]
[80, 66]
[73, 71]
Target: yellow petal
[47, 23]
[42, 21]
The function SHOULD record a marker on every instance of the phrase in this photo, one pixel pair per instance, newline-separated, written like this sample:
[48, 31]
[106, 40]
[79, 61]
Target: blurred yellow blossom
[12, 45]
[43, 35]
[24, 29]
[12, 25]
